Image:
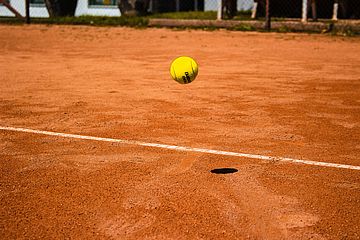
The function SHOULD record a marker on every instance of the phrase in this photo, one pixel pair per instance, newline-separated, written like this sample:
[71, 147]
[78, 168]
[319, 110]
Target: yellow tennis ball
[184, 70]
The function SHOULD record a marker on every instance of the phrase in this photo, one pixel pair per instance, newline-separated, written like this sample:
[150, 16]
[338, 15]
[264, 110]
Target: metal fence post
[27, 11]
[335, 12]
[177, 2]
[219, 10]
[267, 16]
[254, 10]
[304, 10]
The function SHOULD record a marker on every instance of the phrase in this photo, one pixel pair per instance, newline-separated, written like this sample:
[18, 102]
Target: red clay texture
[280, 95]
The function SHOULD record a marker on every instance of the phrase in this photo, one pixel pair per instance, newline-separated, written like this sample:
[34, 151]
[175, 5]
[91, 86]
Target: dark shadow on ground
[224, 170]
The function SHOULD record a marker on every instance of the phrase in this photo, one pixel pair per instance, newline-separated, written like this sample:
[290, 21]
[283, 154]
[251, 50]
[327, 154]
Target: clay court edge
[182, 148]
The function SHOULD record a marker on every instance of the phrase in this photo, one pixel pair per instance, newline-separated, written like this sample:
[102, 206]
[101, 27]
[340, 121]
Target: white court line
[180, 148]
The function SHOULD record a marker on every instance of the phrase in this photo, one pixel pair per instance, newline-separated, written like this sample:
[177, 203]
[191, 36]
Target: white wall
[19, 5]
[211, 5]
[83, 8]
[4, 12]
[38, 11]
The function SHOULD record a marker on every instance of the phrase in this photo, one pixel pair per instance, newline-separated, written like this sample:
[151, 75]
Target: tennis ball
[184, 70]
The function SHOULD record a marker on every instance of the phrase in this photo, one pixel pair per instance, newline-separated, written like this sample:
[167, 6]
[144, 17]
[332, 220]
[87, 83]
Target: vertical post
[219, 11]
[196, 8]
[335, 12]
[267, 16]
[177, 2]
[313, 9]
[253, 10]
[155, 6]
[27, 11]
[151, 9]
[304, 10]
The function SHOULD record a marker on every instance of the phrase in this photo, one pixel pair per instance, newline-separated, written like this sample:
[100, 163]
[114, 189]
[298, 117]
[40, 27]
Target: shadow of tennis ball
[224, 170]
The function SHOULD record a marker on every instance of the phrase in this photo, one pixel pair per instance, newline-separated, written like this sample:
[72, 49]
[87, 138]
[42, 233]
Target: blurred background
[198, 9]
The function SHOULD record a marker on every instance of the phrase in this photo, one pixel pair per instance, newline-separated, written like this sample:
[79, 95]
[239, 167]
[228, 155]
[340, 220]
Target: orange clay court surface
[266, 94]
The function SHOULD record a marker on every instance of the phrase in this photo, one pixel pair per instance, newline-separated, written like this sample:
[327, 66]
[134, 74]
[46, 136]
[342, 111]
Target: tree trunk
[133, 7]
[61, 8]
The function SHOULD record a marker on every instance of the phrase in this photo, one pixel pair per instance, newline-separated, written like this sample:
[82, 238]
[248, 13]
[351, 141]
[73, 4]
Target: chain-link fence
[225, 9]
[314, 9]
[196, 5]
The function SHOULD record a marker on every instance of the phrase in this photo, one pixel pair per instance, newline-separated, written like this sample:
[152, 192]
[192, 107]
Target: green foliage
[96, 21]
[11, 20]
[243, 27]
[243, 15]
[86, 20]
[284, 29]
[142, 22]
[208, 15]
[344, 33]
